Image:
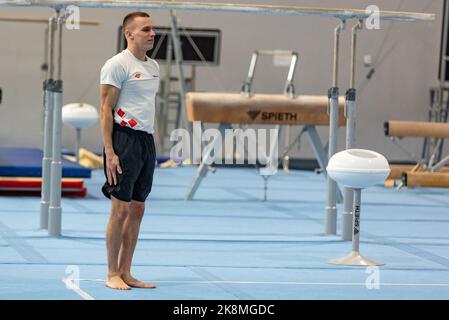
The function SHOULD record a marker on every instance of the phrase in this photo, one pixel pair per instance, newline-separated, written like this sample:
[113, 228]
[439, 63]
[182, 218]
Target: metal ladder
[439, 99]
[168, 116]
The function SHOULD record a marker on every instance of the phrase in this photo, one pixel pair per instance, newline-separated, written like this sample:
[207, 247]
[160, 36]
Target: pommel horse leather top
[260, 109]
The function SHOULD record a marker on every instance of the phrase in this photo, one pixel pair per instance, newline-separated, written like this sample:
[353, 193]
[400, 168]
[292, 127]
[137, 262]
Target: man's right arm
[108, 100]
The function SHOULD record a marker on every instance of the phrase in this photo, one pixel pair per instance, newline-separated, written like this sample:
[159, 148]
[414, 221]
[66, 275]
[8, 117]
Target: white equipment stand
[357, 169]
[79, 115]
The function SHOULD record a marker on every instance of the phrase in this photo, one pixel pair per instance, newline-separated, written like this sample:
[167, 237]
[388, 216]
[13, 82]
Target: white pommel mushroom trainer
[79, 115]
[357, 169]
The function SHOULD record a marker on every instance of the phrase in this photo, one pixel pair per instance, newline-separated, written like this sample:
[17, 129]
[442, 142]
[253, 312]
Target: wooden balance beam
[416, 129]
[260, 109]
[411, 176]
[426, 179]
[398, 170]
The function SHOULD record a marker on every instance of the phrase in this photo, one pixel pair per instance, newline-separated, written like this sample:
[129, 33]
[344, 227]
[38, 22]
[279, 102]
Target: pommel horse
[262, 109]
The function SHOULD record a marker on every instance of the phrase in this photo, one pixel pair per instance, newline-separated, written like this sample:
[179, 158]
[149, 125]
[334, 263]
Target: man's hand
[112, 167]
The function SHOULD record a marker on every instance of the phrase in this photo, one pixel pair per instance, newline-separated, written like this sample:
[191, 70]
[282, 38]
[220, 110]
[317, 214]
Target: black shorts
[137, 155]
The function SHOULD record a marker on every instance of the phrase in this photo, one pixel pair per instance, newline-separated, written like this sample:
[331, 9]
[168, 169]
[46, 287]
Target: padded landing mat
[27, 162]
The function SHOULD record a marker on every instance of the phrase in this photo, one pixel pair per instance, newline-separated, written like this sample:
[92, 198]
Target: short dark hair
[130, 17]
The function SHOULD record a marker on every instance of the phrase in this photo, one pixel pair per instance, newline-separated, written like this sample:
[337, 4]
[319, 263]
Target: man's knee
[120, 210]
[137, 209]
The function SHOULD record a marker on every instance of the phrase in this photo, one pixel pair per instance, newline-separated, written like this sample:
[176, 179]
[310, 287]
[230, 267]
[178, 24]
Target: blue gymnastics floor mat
[27, 162]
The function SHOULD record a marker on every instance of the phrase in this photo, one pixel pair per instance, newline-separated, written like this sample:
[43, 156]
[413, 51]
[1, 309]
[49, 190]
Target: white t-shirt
[138, 82]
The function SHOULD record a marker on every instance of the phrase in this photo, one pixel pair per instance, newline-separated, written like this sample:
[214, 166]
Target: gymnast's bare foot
[115, 282]
[135, 283]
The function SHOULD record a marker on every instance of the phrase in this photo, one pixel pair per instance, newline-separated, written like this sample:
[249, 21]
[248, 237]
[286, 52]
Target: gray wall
[407, 65]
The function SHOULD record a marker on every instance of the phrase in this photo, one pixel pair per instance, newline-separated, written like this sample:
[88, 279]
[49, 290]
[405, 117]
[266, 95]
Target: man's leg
[130, 234]
[120, 210]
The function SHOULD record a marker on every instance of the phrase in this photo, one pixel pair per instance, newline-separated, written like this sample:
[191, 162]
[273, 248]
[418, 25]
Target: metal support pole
[44, 66]
[78, 144]
[331, 207]
[356, 222]
[166, 95]
[286, 158]
[440, 164]
[54, 221]
[48, 128]
[350, 114]
[355, 28]
[247, 85]
[354, 258]
[178, 58]
[206, 159]
[443, 61]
